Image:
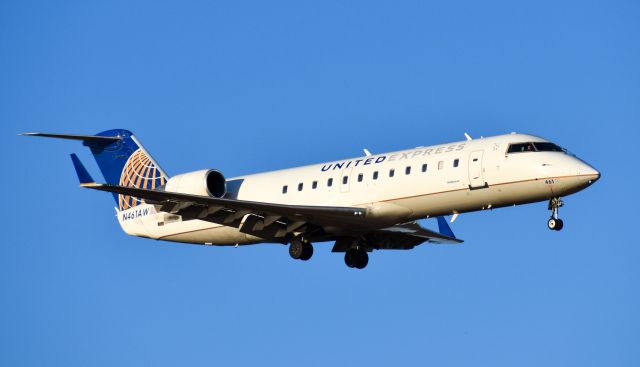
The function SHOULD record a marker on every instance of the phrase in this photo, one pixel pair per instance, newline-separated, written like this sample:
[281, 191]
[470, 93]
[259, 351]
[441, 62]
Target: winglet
[83, 174]
[443, 227]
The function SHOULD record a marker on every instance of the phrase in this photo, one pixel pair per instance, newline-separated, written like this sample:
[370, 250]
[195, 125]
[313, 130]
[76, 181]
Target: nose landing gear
[554, 223]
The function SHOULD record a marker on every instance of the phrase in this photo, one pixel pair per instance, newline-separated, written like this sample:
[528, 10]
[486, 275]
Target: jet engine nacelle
[207, 182]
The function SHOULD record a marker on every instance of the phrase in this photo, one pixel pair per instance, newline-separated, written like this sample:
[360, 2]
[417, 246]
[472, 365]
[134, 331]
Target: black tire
[307, 251]
[363, 259]
[559, 224]
[349, 258]
[552, 224]
[296, 249]
[356, 258]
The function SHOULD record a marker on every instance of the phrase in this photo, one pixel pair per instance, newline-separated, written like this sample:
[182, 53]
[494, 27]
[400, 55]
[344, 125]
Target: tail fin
[122, 161]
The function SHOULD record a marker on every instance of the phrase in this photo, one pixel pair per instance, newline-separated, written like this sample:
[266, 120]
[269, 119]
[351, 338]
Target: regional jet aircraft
[361, 204]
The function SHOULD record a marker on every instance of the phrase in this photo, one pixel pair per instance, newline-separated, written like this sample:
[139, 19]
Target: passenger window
[441, 165]
[392, 172]
[360, 176]
[284, 189]
[300, 186]
[407, 170]
[314, 185]
[330, 182]
[424, 167]
[375, 175]
[456, 162]
[345, 179]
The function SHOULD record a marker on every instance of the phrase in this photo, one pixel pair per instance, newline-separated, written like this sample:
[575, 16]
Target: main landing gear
[554, 223]
[300, 249]
[356, 258]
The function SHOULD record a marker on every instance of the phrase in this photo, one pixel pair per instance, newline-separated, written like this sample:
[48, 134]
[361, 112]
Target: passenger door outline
[476, 176]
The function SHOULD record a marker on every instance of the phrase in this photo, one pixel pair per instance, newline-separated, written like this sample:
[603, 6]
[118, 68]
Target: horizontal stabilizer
[83, 174]
[86, 138]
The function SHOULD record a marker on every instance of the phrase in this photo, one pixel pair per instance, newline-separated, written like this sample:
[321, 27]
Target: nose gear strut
[554, 223]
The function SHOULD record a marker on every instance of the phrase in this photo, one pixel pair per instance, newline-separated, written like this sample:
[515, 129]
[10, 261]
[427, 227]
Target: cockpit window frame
[524, 144]
[554, 147]
[533, 148]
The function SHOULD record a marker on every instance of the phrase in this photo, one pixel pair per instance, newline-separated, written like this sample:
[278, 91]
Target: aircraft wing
[213, 204]
[405, 237]
[409, 235]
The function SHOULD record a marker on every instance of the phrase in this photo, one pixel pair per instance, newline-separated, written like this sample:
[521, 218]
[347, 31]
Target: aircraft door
[476, 177]
[344, 185]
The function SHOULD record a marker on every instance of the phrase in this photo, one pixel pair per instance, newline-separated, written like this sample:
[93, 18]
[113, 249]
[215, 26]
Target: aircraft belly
[218, 235]
[202, 232]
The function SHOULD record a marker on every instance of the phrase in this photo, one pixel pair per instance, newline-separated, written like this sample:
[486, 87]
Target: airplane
[366, 203]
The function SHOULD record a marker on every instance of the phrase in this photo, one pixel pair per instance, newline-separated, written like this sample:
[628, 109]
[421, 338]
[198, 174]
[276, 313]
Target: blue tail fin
[125, 162]
[121, 159]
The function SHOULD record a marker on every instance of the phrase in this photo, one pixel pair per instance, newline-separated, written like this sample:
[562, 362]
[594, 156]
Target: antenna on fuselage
[366, 152]
[468, 137]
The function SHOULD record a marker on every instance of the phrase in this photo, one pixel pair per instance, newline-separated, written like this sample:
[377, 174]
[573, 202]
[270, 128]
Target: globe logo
[140, 172]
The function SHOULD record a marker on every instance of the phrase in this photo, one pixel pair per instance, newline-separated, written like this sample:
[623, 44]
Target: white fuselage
[395, 187]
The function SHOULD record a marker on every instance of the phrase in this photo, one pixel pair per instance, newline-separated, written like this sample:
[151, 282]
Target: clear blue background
[254, 86]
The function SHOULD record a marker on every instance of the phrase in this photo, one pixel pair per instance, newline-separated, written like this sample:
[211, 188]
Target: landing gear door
[476, 177]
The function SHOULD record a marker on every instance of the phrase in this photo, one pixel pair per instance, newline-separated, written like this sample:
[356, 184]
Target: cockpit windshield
[548, 147]
[534, 147]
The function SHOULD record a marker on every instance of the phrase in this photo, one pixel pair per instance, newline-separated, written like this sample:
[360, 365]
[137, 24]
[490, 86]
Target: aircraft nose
[588, 172]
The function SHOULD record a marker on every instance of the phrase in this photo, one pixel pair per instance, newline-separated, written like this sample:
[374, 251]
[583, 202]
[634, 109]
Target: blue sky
[253, 86]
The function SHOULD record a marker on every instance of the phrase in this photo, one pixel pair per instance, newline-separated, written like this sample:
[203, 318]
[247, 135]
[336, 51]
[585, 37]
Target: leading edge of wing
[253, 206]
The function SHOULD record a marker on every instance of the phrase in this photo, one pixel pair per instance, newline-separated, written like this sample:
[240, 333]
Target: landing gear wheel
[296, 249]
[349, 258]
[363, 260]
[559, 225]
[307, 251]
[355, 258]
[300, 250]
[555, 224]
